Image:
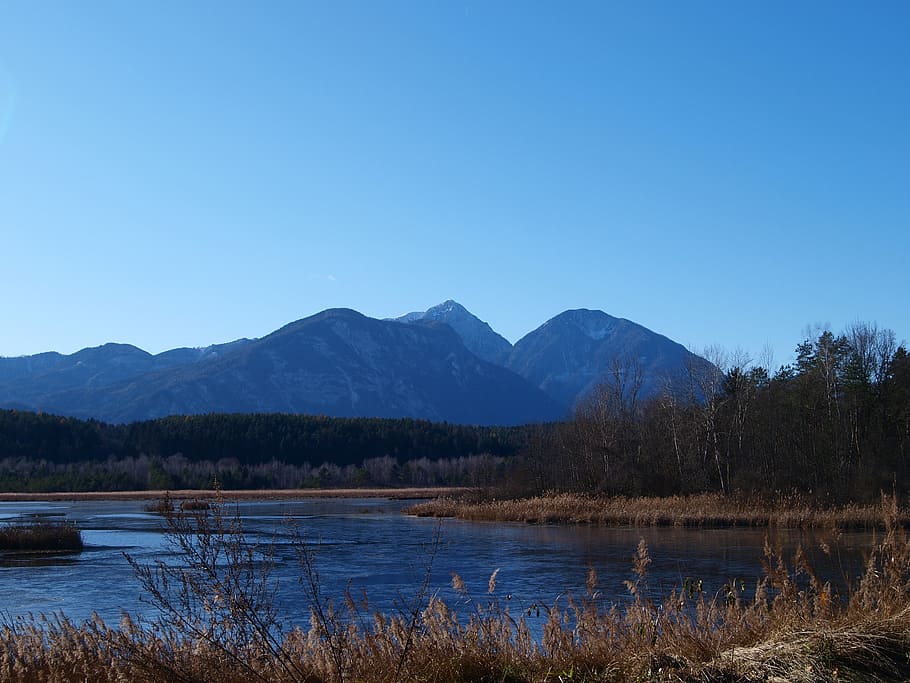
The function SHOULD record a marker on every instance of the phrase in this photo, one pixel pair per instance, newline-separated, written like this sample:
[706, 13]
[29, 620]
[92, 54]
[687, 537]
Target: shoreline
[411, 493]
[697, 510]
[794, 629]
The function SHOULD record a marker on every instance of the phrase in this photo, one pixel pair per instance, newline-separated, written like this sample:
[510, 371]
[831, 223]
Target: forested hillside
[834, 424]
[48, 452]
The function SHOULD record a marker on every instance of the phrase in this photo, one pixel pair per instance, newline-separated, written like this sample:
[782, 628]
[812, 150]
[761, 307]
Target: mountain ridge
[442, 364]
[337, 362]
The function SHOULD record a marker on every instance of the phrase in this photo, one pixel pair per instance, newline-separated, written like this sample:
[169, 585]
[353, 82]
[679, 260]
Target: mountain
[337, 363]
[477, 335]
[33, 379]
[441, 364]
[570, 354]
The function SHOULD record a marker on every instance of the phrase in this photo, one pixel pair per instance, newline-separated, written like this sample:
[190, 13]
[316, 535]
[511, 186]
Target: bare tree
[221, 595]
[740, 391]
[606, 424]
[707, 389]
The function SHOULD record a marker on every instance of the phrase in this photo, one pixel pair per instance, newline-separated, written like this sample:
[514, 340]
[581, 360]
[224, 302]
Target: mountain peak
[475, 334]
[449, 305]
[594, 324]
[570, 354]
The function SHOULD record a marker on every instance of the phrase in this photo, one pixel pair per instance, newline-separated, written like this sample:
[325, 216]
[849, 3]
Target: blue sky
[183, 173]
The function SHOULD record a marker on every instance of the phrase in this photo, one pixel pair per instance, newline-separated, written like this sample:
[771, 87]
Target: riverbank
[792, 627]
[704, 510]
[246, 494]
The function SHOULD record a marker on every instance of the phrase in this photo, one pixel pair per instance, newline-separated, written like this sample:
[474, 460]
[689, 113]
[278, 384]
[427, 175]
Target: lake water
[370, 545]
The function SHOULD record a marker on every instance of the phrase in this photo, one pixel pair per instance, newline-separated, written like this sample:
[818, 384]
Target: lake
[370, 545]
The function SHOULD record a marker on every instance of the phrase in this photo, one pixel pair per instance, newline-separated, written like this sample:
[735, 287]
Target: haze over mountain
[443, 364]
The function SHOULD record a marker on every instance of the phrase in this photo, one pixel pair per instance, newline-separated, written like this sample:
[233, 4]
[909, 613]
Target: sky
[188, 172]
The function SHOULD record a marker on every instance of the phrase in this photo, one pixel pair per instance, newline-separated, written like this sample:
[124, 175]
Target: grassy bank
[706, 510]
[791, 627]
[40, 536]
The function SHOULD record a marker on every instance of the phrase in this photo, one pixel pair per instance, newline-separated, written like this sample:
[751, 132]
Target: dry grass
[791, 628]
[705, 510]
[40, 536]
[166, 505]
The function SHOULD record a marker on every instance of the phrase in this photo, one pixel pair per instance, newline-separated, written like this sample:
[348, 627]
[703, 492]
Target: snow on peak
[476, 335]
[445, 308]
[411, 317]
[597, 329]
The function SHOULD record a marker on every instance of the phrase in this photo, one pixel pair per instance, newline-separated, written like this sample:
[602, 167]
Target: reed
[194, 504]
[705, 510]
[40, 536]
[166, 505]
[792, 626]
[162, 506]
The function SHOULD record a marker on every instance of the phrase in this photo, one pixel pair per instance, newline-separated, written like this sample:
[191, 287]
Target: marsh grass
[705, 510]
[40, 536]
[791, 626]
[166, 505]
[161, 506]
[194, 505]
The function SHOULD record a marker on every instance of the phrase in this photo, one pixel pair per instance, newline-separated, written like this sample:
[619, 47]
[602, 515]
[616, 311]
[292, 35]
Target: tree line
[834, 424]
[142, 473]
[41, 452]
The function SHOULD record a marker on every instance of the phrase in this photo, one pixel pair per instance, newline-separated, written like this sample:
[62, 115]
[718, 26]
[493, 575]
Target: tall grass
[40, 536]
[792, 626]
[704, 510]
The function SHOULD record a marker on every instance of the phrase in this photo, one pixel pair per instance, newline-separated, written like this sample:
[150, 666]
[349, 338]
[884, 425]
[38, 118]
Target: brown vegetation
[703, 510]
[218, 624]
[194, 504]
[40, 536]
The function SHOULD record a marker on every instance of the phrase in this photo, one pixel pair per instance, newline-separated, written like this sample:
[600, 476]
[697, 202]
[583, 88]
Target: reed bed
[166, 505]
[791, 627]
[704, 510]
[40, 536]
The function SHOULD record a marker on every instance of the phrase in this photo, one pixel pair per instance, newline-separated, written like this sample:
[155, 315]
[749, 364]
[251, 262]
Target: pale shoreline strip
[245, 494]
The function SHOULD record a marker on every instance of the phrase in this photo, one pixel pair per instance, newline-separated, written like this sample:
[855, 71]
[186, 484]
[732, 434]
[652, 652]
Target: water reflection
[368, 545]
[30, 559]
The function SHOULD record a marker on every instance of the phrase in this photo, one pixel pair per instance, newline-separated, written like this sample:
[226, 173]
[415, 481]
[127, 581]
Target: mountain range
[443, 364]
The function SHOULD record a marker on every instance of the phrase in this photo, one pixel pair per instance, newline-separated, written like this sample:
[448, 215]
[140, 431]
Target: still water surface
[370, 545]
